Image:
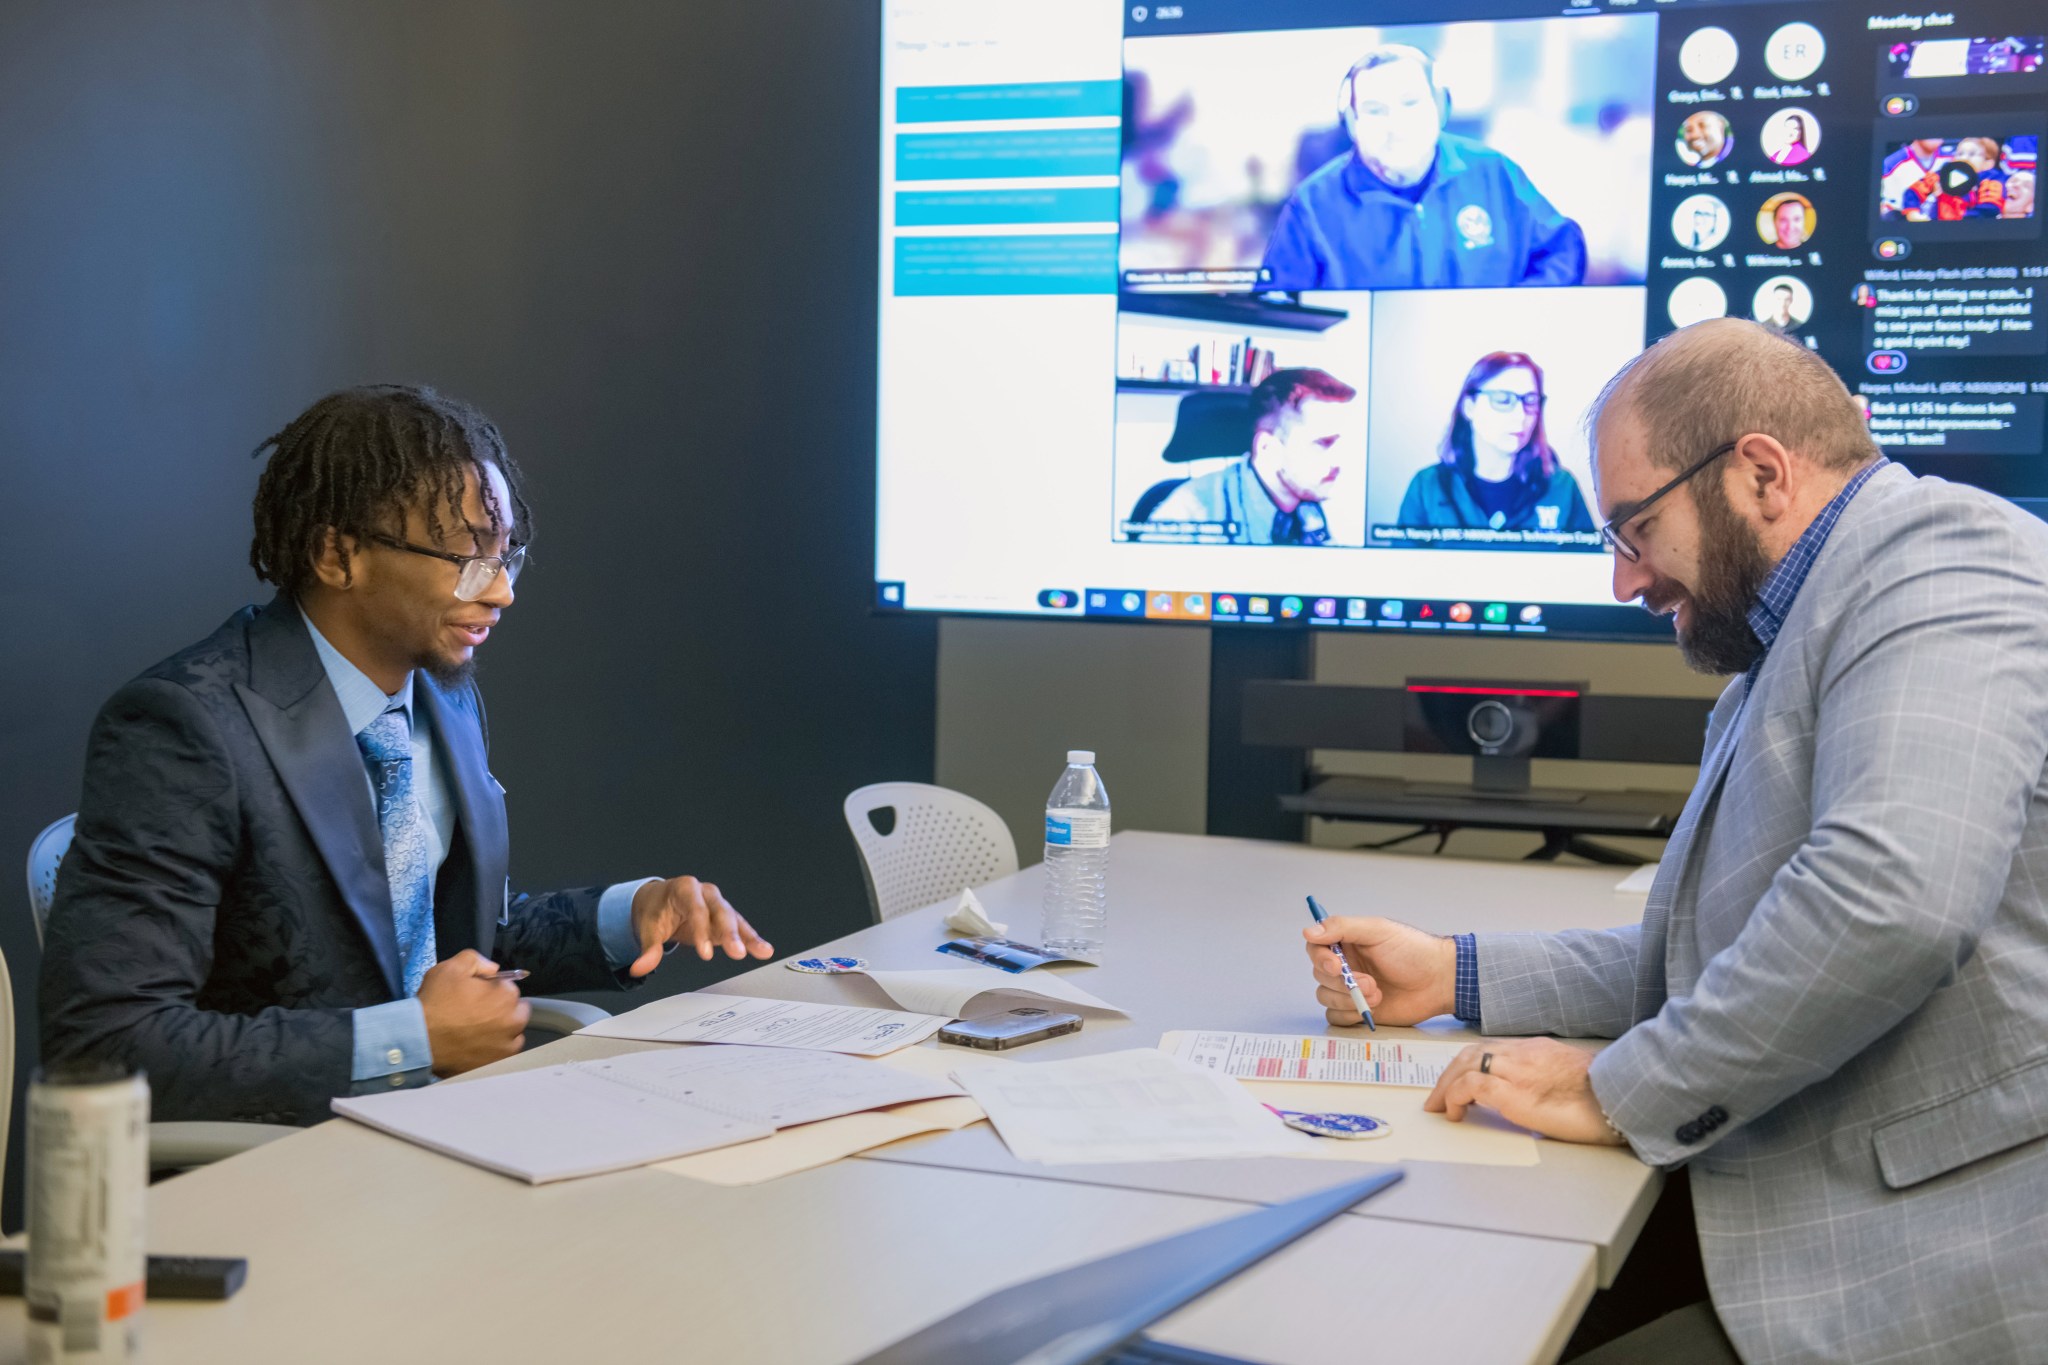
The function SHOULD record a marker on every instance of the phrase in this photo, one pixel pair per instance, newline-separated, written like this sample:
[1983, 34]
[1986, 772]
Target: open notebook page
[585, 1118]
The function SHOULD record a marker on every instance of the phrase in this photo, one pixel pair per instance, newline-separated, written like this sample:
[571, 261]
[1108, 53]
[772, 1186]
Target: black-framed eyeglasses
[1611, 532]
[478, 571]
[1507, 400]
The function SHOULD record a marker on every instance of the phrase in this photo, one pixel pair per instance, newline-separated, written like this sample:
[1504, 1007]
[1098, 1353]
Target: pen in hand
[1350, 984]
[511, 974]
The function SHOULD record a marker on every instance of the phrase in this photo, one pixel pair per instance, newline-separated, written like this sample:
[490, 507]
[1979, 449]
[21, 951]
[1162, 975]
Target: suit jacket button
[1689, 1134]
[1718, 1115]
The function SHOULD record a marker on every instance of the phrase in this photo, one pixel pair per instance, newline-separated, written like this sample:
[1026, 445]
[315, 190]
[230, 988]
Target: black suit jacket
[224, 906]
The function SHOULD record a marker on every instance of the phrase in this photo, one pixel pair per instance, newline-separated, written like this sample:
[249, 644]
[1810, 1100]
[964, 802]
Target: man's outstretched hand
[684, 910]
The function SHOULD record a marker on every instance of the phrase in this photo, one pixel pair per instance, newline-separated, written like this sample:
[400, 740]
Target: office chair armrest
[181, 1146]
[562, 1016]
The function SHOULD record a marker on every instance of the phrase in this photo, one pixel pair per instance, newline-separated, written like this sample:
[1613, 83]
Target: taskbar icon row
[1246, 608]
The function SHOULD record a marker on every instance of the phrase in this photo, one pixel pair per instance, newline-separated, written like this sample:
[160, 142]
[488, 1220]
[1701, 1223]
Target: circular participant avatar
[1696, 299]
[1863, 296]
[1794, 52]
[1707, 55]
[1790, 137]
[1701, 222]
[1705, 139]
[1786, 221]
[1783, 303]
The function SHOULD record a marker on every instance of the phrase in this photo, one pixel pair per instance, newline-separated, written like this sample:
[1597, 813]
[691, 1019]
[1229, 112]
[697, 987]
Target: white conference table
[362, 1246]
[1206, 934]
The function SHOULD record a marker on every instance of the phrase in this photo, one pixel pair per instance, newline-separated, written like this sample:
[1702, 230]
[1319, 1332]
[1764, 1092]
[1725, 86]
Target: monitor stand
[1563, 816]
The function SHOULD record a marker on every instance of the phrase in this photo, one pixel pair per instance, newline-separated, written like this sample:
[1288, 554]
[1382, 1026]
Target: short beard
[451, 677]
[1733, 568]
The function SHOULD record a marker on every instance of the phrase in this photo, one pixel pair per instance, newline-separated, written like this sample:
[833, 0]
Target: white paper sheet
[1639, 881]
[1140, 1105]
[1313, 1057]
[947, 990]
[817, 1144]
[705, 1017]
[584, 1118]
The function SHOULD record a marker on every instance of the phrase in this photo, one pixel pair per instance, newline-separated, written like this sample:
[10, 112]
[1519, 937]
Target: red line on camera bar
[1499, 691]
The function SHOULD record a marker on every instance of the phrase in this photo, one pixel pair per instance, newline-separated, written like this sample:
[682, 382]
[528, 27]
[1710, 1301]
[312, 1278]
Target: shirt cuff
[391, 1040]
[615, 923]
[1465, 996]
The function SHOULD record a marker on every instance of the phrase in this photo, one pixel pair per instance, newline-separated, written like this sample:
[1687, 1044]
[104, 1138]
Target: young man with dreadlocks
[288, 881]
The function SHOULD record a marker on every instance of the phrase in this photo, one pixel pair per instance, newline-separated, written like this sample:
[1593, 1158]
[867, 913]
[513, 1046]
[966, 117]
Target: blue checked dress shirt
[1766, 617]
[391, 1038]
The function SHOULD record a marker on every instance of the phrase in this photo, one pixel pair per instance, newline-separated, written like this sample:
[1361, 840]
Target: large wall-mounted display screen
[1289, 312]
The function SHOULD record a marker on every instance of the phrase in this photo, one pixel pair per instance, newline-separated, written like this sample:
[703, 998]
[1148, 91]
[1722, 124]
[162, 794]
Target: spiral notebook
[586, 1118]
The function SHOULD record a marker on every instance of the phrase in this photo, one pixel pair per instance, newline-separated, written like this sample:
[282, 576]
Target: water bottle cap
[1080, 758]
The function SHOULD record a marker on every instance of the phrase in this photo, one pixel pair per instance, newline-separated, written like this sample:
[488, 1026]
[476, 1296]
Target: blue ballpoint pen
[1357, 995]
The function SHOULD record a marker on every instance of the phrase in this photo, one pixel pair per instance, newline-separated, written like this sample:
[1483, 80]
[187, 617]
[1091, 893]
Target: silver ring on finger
[1486, 1063]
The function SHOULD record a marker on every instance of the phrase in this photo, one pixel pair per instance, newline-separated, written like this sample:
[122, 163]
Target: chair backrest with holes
[920, 844]
[44, 854]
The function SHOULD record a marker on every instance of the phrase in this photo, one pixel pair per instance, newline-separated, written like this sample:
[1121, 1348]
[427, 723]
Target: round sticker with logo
[1475, 226]
[827, 966]
[1352, 1126]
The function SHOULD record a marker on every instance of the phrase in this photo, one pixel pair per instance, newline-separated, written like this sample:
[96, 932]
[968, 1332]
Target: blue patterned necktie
[387, 743]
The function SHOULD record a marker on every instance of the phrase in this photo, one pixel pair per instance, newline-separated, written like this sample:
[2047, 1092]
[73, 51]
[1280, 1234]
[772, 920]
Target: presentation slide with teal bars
[1007, 153]
[1036, 99]
[1062, 263]
[976, 208]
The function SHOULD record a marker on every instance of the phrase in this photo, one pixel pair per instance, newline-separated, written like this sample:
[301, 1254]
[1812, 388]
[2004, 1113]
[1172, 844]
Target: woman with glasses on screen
[1496, 468]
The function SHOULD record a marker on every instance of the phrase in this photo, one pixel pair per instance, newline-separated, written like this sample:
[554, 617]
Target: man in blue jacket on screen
[1411, 206]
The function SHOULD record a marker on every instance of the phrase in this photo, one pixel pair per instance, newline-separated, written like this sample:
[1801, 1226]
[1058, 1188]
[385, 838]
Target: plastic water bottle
[1076, 858]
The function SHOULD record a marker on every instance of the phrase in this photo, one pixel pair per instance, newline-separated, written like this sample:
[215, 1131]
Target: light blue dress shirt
[391, 1039]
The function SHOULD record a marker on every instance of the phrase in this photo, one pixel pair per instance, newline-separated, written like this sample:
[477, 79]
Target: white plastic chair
[181, 1146]
[920, 844]
[6, 1050]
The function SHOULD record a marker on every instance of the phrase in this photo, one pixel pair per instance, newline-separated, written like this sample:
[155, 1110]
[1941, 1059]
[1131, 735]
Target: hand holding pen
[1403, 974]
[1344, 967]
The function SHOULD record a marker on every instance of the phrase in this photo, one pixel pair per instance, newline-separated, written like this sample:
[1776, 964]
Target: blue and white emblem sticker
[1475, 226]
[827, 966]
[1352, 1126]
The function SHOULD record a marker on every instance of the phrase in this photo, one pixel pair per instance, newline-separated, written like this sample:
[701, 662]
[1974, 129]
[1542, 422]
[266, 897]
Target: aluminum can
[88, 1172]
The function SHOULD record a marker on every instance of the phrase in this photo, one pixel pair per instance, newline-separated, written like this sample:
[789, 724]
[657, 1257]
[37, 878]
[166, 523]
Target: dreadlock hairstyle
[356, 460]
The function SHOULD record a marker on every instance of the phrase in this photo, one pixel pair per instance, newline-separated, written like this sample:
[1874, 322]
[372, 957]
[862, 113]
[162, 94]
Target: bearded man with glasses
[288, 880]
[1833, 1015]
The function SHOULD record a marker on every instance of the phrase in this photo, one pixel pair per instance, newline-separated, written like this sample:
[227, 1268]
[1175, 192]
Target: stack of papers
[946, 990]
[1140, 1105]
[585, 1118]
[829, 1140]
[1313, 1057]
[704, 1017]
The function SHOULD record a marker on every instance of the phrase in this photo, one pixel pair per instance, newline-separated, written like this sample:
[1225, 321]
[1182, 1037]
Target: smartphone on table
[1012, 1028]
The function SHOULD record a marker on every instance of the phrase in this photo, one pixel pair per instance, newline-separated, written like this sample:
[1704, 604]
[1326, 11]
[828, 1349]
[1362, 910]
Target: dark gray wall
[640, 234]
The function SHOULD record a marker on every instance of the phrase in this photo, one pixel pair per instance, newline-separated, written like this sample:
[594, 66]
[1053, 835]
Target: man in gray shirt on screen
[1275, 494]
[1834, 1012]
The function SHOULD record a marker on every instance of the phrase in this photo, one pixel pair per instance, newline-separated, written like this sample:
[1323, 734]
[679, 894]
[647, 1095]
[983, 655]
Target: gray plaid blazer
[1835, 1009]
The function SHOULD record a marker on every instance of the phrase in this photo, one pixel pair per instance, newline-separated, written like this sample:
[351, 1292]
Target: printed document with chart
[1313, 1057]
